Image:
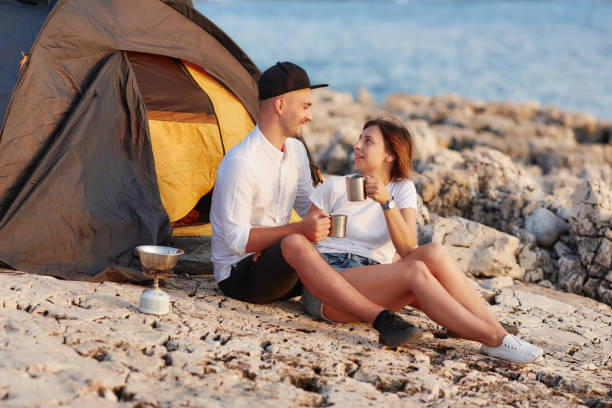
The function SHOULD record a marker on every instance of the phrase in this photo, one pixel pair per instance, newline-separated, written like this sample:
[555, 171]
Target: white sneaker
[513, 349]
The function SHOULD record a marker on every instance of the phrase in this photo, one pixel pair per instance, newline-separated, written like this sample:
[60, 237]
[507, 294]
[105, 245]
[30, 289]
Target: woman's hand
[376, 190]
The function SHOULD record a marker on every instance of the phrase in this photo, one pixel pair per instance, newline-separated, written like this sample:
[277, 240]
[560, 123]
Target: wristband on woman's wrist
[388, 205]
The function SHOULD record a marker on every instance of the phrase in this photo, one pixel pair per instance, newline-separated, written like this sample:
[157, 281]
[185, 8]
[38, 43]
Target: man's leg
[324, 282]
[265, 280]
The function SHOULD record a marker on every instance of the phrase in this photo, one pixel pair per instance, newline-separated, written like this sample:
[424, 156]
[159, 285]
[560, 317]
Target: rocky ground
[84, 344]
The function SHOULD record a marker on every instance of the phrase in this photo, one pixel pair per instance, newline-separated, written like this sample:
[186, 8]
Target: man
[258, 256]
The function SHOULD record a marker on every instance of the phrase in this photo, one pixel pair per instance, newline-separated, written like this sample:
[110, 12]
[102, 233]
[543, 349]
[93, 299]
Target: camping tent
[119, 118]
[19, 25]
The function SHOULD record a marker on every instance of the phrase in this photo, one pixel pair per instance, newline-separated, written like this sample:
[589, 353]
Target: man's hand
[376, 190]
[315, 226]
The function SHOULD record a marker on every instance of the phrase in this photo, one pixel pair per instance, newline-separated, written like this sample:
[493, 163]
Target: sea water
[556, 52]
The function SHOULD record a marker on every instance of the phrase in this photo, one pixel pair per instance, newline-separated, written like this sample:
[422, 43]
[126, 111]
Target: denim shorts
[340, 262]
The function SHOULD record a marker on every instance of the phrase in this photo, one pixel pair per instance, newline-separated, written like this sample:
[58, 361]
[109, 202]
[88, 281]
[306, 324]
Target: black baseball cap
[281, 78]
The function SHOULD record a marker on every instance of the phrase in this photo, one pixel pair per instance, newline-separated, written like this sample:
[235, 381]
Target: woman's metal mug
[338, 225]
[355, 188]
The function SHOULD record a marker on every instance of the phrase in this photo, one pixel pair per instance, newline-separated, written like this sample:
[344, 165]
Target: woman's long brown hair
[399, 140]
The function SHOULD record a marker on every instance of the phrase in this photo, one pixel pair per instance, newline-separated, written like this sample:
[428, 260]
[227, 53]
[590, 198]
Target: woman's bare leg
[395, 285]
[446, 270]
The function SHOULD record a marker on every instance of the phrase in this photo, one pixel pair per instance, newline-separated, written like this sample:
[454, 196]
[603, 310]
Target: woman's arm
[402, 229]
[401, 223]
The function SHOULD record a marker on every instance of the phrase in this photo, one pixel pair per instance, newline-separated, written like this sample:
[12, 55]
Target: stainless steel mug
[355, 188]
[338, 225]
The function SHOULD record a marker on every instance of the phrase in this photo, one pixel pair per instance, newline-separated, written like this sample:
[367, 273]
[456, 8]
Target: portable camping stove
[157, 262]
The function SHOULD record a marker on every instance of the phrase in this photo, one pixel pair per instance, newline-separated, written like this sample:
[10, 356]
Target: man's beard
[295, 132]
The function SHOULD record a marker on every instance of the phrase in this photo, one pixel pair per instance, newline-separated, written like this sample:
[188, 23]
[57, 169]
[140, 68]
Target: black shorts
[268, 279]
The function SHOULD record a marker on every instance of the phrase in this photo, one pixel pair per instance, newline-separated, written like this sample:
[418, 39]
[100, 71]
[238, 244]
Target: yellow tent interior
[187, 153]
[188, 148]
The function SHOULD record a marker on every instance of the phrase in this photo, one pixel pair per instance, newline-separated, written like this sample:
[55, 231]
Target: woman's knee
[433, 254]
[433, 251]
[417, 272]
[429, 253]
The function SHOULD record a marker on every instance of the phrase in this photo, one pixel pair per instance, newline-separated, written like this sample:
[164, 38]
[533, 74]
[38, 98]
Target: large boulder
[571, 274]
[479, 250]
[591, 225]
[483, 185]
[538, 263]
[496, 170]
[449, 193]
[545, 226]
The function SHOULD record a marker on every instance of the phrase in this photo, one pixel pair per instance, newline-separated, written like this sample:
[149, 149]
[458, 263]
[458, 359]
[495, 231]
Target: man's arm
[232, 203]
[315, 227]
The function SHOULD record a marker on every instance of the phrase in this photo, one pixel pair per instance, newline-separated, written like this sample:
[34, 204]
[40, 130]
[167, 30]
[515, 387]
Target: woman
[383, 227]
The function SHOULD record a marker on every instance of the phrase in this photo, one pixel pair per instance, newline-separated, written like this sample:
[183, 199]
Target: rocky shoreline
[522, 197]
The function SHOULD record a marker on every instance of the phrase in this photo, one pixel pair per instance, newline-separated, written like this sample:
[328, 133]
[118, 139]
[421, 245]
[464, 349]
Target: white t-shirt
[366, 228]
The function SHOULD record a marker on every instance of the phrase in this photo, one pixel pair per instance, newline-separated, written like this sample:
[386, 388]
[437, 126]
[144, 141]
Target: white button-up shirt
[256, 185]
